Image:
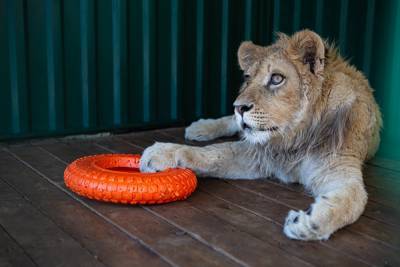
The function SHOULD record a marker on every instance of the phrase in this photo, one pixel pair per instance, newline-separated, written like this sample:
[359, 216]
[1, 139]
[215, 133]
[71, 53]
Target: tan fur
[316, 127]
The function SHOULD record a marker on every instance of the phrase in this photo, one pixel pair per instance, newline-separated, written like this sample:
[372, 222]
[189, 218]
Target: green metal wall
[91, 65]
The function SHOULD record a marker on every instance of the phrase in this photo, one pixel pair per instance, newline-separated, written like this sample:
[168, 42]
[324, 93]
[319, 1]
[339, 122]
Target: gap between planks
[133, 146]
[194, 235]
[136, 145]
[73, 196]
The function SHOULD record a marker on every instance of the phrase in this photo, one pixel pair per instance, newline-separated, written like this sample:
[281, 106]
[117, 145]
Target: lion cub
[306, 116]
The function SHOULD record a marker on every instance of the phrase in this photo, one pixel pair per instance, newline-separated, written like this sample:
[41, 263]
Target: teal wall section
[385, 75]
[92, 65]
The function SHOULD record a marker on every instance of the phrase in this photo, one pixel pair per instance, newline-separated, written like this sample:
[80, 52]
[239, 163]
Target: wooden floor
[224, 223]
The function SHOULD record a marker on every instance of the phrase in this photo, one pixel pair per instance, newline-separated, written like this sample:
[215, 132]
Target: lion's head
[281, 82]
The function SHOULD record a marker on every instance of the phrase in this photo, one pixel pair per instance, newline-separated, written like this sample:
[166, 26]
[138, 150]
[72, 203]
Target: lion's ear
[307, 47]
[248, 54]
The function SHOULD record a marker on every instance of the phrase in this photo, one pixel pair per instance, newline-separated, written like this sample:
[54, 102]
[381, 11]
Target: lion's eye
[246, 76]
[276, 79]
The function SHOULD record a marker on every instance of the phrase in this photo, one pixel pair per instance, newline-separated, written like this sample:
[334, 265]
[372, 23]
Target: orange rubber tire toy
[116, 178]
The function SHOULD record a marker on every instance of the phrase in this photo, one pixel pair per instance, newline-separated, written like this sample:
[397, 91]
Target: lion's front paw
[203, 130]
[298, 225]
[158, 157]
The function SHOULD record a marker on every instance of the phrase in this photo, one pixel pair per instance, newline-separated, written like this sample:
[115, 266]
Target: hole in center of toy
[119, 163]
[124, 169]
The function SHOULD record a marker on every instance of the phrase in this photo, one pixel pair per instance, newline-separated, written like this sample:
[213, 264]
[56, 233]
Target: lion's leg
[340, 200]
[209, 129]
[224, 160]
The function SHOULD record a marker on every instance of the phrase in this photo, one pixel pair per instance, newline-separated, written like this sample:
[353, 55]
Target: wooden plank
[374, 209]
[145, 139]
[383, 206]
[262, 248]
[375, 176]
[349, 242]
[176, 135]
[382, 178]
[99, 238]
[317, 253]
[40, 237]
[6, 192]
[11, 254]
[115, 144]
[219, 233]
[343, 247]
[251, 254]
[72, 153]
[331, 255]
[42, 141]
[166, 239]
[386, 163]
[385, 197]
[382, 213]
[294, 200]
[174, 242]
[368, 227]
[148, 138]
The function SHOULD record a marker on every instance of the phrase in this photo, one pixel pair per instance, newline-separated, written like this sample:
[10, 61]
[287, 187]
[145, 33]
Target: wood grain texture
[170, 242]
[40, 237]
[224, 223]
[230, 248]
[95, 236]
[11, 253]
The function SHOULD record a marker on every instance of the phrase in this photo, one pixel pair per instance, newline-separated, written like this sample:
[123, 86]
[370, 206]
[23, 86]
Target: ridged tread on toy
[117, 178]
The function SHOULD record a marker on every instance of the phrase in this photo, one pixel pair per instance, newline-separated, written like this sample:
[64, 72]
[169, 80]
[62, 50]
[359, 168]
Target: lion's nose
[243, 108]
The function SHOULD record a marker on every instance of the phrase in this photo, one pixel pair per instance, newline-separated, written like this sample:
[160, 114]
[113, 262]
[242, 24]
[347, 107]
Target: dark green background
[85, 66]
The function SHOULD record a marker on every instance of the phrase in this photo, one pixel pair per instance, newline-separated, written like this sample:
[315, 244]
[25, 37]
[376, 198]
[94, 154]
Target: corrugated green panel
[105, 63]
[135, 97]
[167, 60]
[92, 65]
[5, 89]
[13, 89]
[45, 65]
[212, 58]
[384, 73]
[79, 64]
